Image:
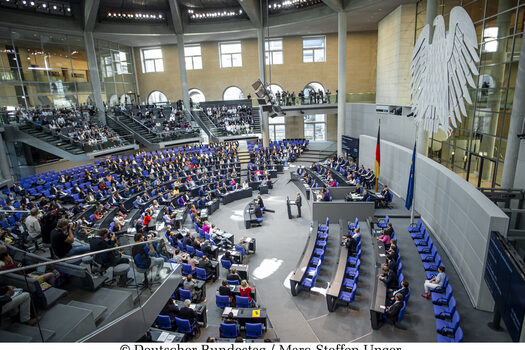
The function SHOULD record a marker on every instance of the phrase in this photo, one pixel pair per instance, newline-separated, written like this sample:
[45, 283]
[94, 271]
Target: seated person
[387, 197]
[63, 242]
[205, 263]
[172, 310]
[389, 230]
[189, 284]
[245, 292]
[233, 275]
[224, 289]
[142, 258]
[12, 298]
[366, 196]
[403, 291]
[187, 313]
[436, 282]
[231, 320]
[350, 243]
[104, 240]
[392, 311]
[206, 249]
[389, 278]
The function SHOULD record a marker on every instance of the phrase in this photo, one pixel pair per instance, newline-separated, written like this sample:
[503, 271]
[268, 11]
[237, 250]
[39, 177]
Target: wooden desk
[300, 270]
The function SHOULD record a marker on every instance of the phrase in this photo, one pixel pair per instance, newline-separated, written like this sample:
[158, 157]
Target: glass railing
[78, 298]
[365, 97]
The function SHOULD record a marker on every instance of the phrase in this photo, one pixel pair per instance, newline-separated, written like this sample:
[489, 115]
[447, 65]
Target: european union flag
[410, 190]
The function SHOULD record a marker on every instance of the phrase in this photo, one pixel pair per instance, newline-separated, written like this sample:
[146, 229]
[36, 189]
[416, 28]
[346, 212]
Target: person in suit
[389, 278]
[233, 275]
[205, 263]
[389, 230]
[189, 284]
[188, 313]
[351, 244]
[172, 310]
[206, 249]
[387, 197]
[366, 196]
[357, 189]
[392, 311]
[403, 291]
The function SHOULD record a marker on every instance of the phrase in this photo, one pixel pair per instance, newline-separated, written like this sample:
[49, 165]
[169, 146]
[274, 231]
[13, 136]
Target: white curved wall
[460, 216]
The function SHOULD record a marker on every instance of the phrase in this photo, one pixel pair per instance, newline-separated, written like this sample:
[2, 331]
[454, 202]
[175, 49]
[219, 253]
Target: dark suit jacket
[188, 314]
[393, 310]
[224, 290]
[391, 280]
[233, 278]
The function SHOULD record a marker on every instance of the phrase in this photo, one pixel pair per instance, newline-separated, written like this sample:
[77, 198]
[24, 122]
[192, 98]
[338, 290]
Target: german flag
[378, 155]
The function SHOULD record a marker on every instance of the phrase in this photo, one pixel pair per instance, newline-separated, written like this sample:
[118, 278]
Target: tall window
[231, 54]
[277, 128]
[273, 51]
[314, 49]
[193, 56]
[121, 62]
[156, 97]
[232, 93]
[315, 127]
[152, 60]
[108, 66]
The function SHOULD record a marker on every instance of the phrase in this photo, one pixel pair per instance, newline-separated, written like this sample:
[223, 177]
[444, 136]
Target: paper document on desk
[162, 337]
[170, 338]
[227, 310]
[381, 255]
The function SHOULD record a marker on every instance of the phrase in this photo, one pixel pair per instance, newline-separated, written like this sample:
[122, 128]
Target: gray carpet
[305, 318]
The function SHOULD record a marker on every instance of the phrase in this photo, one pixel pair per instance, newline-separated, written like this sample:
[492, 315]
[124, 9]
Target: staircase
[217, 132]
[44, 140]
[243, 154]
[256, 121]
[315, 155]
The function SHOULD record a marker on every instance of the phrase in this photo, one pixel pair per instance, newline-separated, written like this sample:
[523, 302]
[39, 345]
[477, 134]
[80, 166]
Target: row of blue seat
[447, 317]
[316, 260]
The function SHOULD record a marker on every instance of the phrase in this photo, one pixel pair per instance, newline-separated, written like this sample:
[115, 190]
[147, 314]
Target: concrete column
[422, 135]
[94, 75]
[4, 161]
[260, 49]
[516, 126]
[265, 125]
[183, 74]
[341, 79]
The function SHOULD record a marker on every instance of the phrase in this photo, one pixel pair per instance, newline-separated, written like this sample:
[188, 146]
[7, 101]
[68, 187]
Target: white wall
[519, 179]
[460, 216]
[362, 119]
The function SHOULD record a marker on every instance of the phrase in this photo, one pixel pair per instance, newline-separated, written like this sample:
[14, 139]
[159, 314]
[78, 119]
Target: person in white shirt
[33, 227]
[436, 282]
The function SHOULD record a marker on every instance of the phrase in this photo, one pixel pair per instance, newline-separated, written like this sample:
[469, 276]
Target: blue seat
[322, 235]
[318, 251]
[382, 224]
[201, 274]
[233, 282]
[352, 260]
[184, 326]
[422, 242]
[164, 322]
[190, 249]
[254, 330]
[308, 282]
[458, 337]
[199, 253]
[416, 227]
[445, 311]
[226, 264]
[443, 298]
[320, 243]
[352, 271]
[92, 218]
[429, 257]
[242, 301]
[442, 290]
[228, 330]
[222, 301]
[347, 296]
[401, 312]
[184, 294]
[448, 328]
[324, 227]
[433, 266]
[426, 249]
[187, 270]
[419, 235]
[354, 225]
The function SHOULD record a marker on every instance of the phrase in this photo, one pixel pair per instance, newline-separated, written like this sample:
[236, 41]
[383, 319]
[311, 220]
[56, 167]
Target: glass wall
[277, 128]
[47, 69]
[42, 69]
[116, 72]
[476, 149]
[315, 127]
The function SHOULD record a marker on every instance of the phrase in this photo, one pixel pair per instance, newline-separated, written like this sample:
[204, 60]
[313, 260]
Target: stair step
[69, 323]
[117, 302]
[97, 310]
[31, 331]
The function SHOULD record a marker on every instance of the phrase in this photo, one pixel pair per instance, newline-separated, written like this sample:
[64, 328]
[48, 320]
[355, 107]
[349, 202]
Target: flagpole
[414, 181]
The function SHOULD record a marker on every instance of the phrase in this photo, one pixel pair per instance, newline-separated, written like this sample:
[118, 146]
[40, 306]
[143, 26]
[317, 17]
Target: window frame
[192, 57]
[154, 60]
[314, 49]
[268, 52]
[221, 54]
